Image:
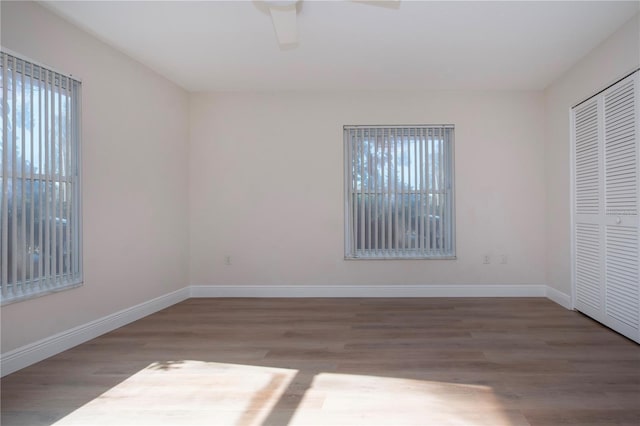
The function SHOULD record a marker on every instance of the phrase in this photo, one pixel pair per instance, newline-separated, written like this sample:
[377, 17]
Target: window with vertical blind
[399, 192]
[40, 223]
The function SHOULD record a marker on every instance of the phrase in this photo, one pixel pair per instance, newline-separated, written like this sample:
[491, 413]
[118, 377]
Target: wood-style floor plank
[515, 361]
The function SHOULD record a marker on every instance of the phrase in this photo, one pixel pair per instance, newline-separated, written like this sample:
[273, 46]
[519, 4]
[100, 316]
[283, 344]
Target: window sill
[33, 295]
[382, 257]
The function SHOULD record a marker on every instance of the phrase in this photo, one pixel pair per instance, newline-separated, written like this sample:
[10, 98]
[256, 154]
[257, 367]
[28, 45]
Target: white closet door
[606, 237]
[588, 187]
[622, 297]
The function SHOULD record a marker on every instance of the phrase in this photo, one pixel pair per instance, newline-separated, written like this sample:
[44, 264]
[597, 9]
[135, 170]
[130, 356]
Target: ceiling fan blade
[285, 24]
[389, 4]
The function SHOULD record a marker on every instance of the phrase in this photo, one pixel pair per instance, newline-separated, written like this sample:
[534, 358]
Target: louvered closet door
[606, 200]
[588, 188]
[622, 295]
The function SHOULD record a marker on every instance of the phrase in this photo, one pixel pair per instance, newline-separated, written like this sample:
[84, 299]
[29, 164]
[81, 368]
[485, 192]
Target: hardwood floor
[339, 362]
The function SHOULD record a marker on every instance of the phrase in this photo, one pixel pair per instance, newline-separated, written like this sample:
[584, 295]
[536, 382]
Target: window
[40, 244]
[399, 200]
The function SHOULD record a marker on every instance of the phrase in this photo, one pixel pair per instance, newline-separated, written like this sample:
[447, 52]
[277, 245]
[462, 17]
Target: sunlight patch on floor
[209, 393]
[187, 393]
[372, 400]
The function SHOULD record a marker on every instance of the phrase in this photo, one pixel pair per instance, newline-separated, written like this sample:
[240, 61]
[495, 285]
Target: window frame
[351, 250]
[60, 172]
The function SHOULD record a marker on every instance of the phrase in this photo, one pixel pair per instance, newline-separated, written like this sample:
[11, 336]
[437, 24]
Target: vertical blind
[399, 199]
[39, 172]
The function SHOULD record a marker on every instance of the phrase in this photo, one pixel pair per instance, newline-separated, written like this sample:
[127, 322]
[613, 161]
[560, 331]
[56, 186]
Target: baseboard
[47, 347]
[559, 297]
[448, 290]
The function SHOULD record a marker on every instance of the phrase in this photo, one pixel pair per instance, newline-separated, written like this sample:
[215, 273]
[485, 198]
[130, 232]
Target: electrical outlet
[227, 260]
[486, 259]
[503, 259]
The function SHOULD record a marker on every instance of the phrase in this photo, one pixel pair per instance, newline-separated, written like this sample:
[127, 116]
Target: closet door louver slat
[621, 168]
[587, 188]
[587, 265]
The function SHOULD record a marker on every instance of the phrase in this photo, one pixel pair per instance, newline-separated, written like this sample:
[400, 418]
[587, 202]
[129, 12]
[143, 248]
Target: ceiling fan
[284, 17]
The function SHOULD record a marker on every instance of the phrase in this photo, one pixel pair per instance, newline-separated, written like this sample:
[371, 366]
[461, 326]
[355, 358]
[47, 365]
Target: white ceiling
[354, 45]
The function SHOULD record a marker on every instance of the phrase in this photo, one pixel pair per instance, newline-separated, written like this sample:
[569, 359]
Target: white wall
[266, 185]
[614, 58]
[135, 130]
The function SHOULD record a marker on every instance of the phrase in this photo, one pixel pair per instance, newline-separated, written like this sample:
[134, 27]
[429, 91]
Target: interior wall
[266, 185]
[135, 199]
[613, 59]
